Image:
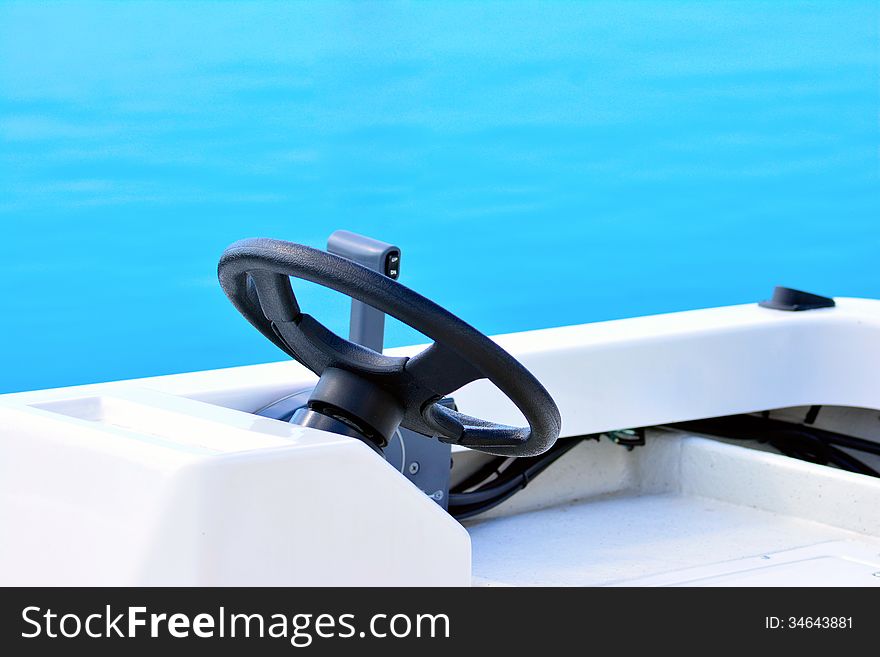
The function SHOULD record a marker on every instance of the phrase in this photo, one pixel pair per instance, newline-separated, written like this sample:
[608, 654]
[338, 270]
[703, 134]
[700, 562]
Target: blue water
[539, 164]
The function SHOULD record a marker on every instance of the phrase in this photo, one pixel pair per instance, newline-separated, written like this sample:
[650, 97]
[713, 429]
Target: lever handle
[367, 325]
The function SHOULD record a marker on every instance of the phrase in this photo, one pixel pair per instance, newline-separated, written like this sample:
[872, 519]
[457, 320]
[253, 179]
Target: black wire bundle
[799, 441]
[500, 478]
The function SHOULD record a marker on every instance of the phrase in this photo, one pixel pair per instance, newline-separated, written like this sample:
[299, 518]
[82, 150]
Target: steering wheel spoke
[441, 370]
[473, 431]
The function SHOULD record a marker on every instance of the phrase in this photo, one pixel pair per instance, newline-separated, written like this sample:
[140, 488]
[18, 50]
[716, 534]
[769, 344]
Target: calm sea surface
[539, 164]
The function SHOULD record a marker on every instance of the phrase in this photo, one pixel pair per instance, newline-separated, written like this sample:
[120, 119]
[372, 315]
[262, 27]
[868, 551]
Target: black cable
[518, 472]
[468, 511]
[803, 442]
[509, 481]
[814, 450]
[489, 469]
[502, 477]
[507, 478]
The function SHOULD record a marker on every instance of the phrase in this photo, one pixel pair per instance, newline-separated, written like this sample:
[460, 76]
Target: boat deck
[686, 511]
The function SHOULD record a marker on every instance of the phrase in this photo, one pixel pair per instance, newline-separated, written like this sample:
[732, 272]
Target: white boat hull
[172, 481]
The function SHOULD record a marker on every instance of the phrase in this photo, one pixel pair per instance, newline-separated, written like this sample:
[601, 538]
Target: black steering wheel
[372, 392]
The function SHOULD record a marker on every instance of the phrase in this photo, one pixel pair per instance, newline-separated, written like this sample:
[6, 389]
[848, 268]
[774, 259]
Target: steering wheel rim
[255, 274]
